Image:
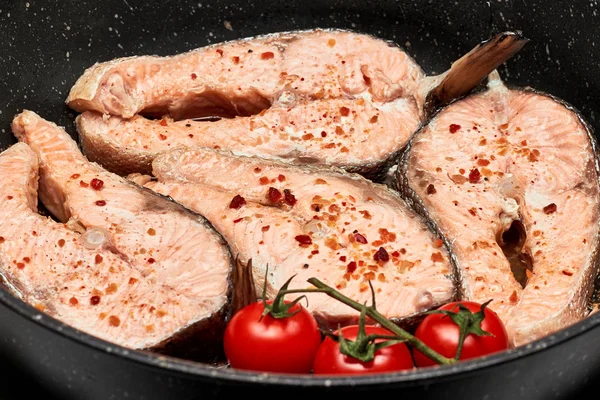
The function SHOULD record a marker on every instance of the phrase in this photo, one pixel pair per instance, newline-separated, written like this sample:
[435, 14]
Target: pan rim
[197, 370]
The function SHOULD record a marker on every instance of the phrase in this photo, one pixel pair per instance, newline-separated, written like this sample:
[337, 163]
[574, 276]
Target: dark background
[46, 45]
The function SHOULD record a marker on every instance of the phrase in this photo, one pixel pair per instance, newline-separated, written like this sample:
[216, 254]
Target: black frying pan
[46, 45]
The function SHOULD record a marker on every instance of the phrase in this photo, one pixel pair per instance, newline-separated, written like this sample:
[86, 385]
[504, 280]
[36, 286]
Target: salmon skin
[313, 97]
[125, 263]
[510, 179]
[312, 221]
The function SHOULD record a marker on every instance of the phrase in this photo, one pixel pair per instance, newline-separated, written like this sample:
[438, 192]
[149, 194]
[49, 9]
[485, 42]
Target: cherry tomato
[329, 359]
[441, 333]
[284, 345]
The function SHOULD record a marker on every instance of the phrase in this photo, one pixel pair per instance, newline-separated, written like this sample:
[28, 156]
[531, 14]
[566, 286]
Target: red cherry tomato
[329, 359]
[284, 345]
[439, 332]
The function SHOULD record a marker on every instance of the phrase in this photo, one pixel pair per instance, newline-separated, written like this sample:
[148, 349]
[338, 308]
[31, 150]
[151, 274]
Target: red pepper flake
[308, 136]
[381, 255]
[73, 301]
[395, 254]
[437, 257]
[453, 128]
[236, 59]
[289, 198]
[220, 52]
[26, 259]
[163, 122]
[431, 189]
[96, 184]
[534, 155]
[513, 297]
[132, 281]
[235, 221]
[112, 288]
[61, 242]
[237, 202]
[472, 212]
[263, 180]
[194, 76]
[281, 178]
[550, 208]
[20, 265]
[83, 184]
[94, 300]
[265, 228]
[483, 162]
[162, 137]
[323, 134]
[344, 111]
[257, 170]
[524, 143]
[98, 259]
[320, 181]
[351, 267]
[304, 239]
[364, 213]
[567, 273]
[101, 203]
[267, 55]
[374, 119]
[114, 321]
[438, 243]
[9, 197]
[334, 209]
[274, 195]
[343, 258]
[75, 176]
[151, 260]
[2, 240]
[474, 176]
[360, 238]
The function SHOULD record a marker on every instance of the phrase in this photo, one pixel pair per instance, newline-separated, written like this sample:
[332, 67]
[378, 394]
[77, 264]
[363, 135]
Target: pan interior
[46, 48]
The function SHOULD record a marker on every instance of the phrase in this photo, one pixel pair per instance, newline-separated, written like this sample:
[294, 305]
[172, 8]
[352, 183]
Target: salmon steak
[124, 263]
[312, 221]
[311, 97]
[510, 178]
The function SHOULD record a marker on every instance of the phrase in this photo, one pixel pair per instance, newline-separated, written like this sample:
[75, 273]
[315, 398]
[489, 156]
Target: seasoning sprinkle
[237, 202]
[381, 255]
[304, 239]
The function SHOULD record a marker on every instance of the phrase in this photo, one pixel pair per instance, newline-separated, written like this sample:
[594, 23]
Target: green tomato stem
[379, 318]
[375, 315]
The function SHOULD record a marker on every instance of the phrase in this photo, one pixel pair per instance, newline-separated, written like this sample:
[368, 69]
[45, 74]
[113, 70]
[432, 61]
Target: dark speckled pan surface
[46, 45]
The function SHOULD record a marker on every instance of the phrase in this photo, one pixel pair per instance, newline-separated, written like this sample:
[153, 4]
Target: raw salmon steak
[125, 263]
[510, 177]
[313, 221]
[315, 97]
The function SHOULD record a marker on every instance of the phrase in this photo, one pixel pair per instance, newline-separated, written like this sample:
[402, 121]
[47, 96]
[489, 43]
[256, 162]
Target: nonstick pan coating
[46, 45]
